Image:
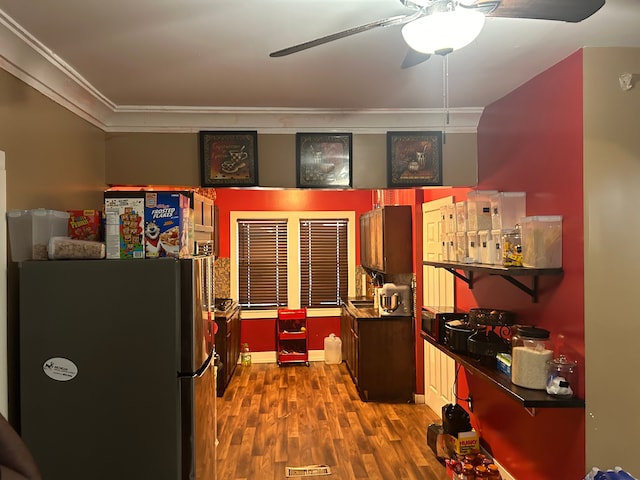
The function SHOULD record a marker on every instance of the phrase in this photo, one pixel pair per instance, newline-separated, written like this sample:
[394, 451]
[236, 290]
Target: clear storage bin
[462, 255]
[507, 208]
[542, 241]
[461, 216]
[496, 245]
[30, 231]
[479, 209]
[486, 247]
[452, 226]
[473, 247]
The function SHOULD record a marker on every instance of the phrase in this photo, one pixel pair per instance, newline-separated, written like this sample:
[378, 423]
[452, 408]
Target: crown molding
[29, 60]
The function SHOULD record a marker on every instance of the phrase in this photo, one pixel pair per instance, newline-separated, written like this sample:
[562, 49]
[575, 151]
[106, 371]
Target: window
[323, 262]
[262, 263]
[292, 260]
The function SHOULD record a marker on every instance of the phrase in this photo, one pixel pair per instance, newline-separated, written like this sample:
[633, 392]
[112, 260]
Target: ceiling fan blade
[386, 22]
[561, 10]
[413, 58]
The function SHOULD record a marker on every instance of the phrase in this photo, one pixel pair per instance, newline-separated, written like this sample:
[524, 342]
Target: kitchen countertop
[371, 313]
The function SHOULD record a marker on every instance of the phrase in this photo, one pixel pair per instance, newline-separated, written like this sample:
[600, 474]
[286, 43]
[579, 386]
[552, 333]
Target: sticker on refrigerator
[60, 369]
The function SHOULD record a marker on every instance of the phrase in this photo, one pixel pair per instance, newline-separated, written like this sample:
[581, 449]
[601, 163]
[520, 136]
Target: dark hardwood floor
[272, 417]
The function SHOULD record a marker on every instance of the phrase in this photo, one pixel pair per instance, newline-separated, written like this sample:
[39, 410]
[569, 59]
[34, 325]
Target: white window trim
[293, 272]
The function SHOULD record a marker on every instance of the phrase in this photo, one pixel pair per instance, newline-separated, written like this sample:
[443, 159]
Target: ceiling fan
[430, 15]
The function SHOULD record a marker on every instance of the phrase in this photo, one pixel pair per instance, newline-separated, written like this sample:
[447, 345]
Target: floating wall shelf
[508, 273]
[530, 399]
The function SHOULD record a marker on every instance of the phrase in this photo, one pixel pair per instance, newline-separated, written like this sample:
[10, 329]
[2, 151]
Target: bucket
[332, 350]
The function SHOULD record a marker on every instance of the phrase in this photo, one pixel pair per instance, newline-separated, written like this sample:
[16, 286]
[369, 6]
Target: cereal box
[166, 230]
[124, 226]
[85, 224]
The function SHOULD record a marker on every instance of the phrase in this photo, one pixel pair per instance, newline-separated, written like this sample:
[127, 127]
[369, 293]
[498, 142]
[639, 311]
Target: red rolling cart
[292, 337]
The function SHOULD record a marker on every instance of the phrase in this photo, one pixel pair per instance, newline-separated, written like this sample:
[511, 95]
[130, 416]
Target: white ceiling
[204, 56]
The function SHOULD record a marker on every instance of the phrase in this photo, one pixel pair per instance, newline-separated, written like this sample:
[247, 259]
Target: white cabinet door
[439, 369]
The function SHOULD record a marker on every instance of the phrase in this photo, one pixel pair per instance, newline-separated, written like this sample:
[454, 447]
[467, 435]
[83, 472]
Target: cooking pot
[457, 332]
[484, 344]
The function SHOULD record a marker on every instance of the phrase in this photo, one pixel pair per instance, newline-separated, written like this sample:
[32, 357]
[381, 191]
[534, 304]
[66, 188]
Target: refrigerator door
[99, 353]
[196, 318]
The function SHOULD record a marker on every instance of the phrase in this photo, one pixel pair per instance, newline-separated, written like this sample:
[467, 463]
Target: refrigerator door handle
[201, 371]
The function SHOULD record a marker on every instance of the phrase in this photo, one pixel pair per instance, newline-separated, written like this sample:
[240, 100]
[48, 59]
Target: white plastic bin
[473, 247]
[542, 241]
[486, 247]
[507, 208]
[461, 216]
[496, 245]
[479, 209]
[462, 254]
[30, 231]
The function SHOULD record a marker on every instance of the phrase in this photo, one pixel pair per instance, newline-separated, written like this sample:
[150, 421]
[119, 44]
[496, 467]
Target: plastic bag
[615, 474]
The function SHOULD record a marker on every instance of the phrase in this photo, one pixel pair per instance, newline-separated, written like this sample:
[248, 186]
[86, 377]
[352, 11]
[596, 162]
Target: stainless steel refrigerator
[116, 368]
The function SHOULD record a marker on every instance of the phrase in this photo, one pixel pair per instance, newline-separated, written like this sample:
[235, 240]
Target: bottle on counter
[245, 355]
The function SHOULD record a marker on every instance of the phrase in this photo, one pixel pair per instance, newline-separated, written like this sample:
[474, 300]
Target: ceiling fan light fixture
[443, 31]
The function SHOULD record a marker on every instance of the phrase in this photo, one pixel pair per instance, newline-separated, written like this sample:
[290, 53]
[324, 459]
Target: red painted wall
[260, 333]
[532, 141]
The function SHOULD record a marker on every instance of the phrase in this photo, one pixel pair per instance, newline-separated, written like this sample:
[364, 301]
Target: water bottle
[245, 355]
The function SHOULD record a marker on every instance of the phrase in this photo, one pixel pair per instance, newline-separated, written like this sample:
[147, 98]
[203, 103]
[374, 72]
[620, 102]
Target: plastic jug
[332, 350]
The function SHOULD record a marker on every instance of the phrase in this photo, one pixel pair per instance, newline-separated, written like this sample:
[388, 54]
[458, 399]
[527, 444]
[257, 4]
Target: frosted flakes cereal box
[85, 224]
[124, 227]
[166, 229]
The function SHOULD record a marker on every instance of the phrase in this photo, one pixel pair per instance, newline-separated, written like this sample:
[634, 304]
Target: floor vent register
[308, 471]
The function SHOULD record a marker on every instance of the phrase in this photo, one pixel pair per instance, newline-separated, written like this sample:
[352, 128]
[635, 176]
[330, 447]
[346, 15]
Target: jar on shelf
[562, 377]
[512, 247]
[531, 350]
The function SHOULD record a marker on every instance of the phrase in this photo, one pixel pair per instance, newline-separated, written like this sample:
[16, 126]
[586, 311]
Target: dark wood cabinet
[385, 239]
[380, 356]
[227, 345]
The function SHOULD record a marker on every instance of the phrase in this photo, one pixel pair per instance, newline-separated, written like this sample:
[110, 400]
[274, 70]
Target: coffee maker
[395, 300]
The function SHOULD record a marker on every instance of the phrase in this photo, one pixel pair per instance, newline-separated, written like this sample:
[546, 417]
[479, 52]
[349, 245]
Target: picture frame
[323, 160]
[414, 159]
[228, 158]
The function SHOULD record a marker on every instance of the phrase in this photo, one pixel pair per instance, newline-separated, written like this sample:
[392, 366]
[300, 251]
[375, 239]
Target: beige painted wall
[612, 267]
[172, 158]
[54, 160]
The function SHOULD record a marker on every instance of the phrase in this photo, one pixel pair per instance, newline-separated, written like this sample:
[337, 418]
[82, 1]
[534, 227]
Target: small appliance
[395, 300]
[435, 318]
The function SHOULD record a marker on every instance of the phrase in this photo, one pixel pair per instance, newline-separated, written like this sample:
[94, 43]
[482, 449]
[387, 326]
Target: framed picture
[229, 159]
[323, 160]
[414, 159]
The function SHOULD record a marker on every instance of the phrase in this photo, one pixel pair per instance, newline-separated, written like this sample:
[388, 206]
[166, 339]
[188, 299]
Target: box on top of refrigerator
[166, 230]
[124, 226]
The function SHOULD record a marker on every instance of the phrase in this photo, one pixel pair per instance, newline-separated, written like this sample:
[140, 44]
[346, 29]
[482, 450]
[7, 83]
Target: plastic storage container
[462, 255]
[332, 350]
[473, 247]
[507, 208]
[542, 241]
[452, 225]
[461, 216]
[512, 247]
[531, 350]
[496, 245]
[486, 247]
[30, 231]
[562, 377]
[479, 209]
